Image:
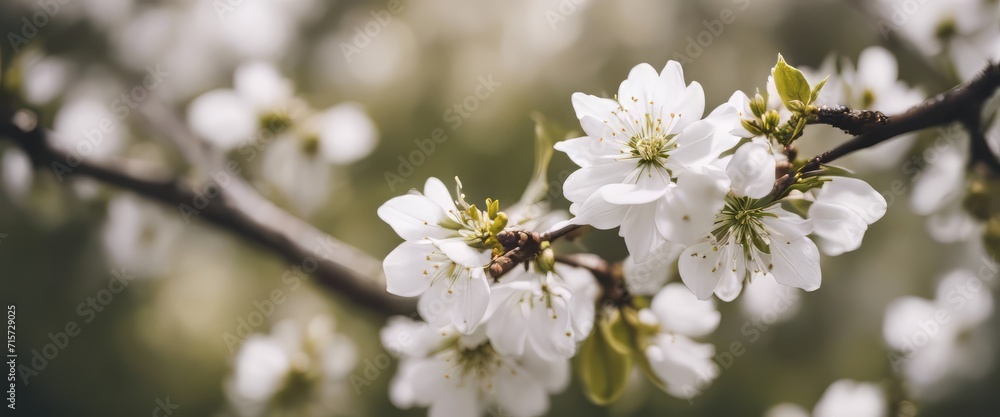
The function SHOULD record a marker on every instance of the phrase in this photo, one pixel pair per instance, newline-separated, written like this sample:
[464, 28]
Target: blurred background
[366, 84]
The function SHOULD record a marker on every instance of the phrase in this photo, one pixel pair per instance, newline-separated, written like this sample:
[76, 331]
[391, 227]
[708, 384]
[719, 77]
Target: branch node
[853, 122]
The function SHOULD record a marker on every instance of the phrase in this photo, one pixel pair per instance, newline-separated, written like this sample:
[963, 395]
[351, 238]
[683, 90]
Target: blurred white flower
[843, 398]
[86, 128]
[463, 375]
[875, 85]
[786, 410]
[683, 365]
[43, 78]
[931, 25]
[646, 278]
[942, 342]
[938, 192]
[850, 398]
[346, 133]
[262, 86]
[140, 236]
[223, 118]
[18, 174]
[293, 166]
[295, 370]
[766, 299]
[546, 313]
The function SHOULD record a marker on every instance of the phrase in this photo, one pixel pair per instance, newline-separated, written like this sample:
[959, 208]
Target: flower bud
[758, 106]
[499, 223]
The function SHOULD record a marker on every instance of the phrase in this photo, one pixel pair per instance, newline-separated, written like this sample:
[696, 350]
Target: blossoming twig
[951, 106]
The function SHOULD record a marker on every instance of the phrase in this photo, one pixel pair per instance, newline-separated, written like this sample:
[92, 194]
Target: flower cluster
[652, 166]
[720, 196]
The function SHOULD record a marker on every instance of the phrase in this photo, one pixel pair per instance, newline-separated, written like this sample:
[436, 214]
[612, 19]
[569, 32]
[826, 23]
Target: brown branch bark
[955, 105]
[238, 209]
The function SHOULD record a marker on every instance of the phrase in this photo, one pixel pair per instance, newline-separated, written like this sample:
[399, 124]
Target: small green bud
[751, 126]
[499, 223]
[771, 120]
[492, 207]
[546, 260]
[758, 105]
[474, 213]
[797, 106]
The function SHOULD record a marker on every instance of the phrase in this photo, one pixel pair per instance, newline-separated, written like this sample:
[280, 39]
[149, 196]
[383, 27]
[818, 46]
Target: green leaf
[790, 83]
[602, 368]
[834, 171]
[617, 332]
[815, 91]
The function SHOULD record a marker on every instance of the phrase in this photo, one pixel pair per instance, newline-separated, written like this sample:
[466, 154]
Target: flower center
[651, 142]
[479, 364]
[741, 222]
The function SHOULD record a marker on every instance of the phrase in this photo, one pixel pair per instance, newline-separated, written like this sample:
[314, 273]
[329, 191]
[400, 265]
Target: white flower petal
[641, 238]
[679, 311]
[855, 195]
[583, 182]
[597, 212]
[405, 269]
[699, 269]
[688, 211]
[684, 366]
[520, 394]
[222, 118]
[849, 398]
[437, 192]
[593, 106]
[752, 170]
[415, 217]
[461, 253]
[795, 262]
[346, 133]
[840, 230]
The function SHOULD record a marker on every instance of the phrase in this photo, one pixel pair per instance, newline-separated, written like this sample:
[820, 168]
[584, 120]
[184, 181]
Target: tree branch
[237, 208]
[954, 105]
[853, 122]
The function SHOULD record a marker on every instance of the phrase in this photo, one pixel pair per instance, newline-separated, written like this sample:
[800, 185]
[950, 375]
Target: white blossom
[443, 258]
[751, 238]
[140, 236]
[682, 364]
[940, 343]
[842, 398]
[642, 148]
[463, 375]
[548, 313]
[310, 363]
